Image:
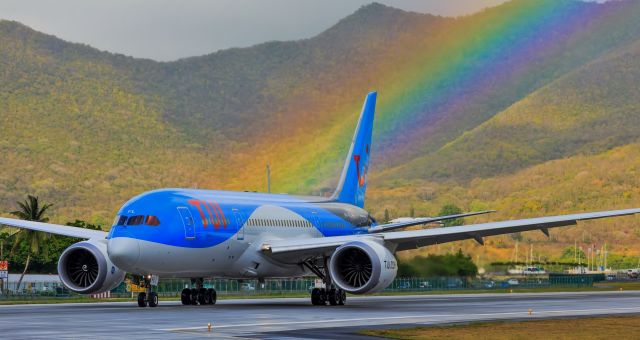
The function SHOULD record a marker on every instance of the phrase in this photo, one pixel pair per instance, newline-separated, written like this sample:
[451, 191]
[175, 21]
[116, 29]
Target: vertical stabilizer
[353, 180]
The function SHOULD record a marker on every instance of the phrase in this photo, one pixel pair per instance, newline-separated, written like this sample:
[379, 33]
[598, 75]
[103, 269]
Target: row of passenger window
[258, 222]
[137, 220]
[290, 223]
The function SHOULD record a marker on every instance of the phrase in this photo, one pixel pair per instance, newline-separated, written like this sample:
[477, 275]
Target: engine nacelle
[362, 267]
[85, 268]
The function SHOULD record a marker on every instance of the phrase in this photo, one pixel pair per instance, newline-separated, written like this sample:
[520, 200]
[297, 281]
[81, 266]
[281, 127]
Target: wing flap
[56, 229]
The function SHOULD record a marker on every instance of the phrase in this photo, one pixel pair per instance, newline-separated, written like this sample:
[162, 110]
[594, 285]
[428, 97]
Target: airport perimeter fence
[298, 287]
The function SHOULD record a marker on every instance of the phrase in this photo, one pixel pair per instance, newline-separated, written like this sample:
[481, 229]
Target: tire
[153, 299]
[213, 296]
[207, 297]
[202, 294]
[194, 297]
[333, 296]
[315, 296]
[185, 296]
[142, 299]
[323, 297]
[342, 297]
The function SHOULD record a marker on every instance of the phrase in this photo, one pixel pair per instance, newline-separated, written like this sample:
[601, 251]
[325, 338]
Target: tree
[571, 254]
[386, 215]
[30, 210]
[450, 264]
[84, 224]
[451, 209]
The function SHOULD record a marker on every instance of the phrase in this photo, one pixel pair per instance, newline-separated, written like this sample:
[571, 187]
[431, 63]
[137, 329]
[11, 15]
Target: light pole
[268, 178]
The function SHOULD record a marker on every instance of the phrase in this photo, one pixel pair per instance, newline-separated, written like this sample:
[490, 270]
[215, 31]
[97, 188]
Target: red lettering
[196, 204]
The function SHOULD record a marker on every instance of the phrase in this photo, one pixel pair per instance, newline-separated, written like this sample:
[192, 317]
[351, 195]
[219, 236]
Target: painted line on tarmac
[422, 316]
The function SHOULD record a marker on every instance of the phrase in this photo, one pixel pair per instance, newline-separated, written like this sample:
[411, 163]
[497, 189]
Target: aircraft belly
[166, 260]
[232, 259]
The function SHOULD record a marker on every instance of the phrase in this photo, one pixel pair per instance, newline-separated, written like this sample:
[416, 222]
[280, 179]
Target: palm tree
[30, 210]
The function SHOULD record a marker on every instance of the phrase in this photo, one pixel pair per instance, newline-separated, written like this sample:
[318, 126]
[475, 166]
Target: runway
[296, 317]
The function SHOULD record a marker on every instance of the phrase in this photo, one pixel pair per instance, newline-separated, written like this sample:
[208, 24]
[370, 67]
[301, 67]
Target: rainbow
[446, 77]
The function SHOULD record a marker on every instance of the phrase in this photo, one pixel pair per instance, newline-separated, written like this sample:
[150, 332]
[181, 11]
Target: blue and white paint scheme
[205, 233]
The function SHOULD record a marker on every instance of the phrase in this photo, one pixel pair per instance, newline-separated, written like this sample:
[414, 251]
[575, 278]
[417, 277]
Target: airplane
[199, 234]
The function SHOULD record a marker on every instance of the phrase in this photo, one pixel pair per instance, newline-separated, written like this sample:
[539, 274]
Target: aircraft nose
[124, 252]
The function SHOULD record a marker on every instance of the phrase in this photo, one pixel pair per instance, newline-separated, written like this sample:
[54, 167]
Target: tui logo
[362, 174]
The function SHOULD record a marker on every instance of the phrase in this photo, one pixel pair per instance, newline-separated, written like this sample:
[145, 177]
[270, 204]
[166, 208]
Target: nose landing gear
[198, 295]
[148, 297]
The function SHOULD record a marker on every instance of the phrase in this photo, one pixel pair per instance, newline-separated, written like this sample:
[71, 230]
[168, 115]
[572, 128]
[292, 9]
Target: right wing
[412, 239]
[291, 249]
[56, 229]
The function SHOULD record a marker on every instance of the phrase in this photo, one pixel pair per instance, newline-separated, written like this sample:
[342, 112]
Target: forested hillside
[529, 107]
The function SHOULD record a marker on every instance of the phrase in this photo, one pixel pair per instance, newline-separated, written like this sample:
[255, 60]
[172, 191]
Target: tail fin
[353, 181]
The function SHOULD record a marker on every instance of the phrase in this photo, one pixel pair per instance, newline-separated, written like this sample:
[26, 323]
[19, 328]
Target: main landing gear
[198, 295]
[331, 294]
[148, 297]
[335, 297]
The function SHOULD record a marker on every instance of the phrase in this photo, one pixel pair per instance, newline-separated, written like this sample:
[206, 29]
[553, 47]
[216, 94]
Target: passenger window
[152, 221]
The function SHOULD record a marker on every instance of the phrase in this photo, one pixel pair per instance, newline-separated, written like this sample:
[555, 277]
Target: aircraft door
[188, 223]
[239, 216]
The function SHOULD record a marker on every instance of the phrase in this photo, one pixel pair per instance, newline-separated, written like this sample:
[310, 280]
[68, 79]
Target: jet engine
[85, 268]
[362, 267]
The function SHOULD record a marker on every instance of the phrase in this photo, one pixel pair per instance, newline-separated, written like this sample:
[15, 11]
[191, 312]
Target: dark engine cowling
[85, 268]
[362, 267]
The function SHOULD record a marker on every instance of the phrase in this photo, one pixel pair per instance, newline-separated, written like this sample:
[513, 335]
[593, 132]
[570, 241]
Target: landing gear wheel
[185, 296]
[194, 296]
[315, 297]
[142, 299]
[212, 295]
[323, 297]
[333, 296]
[342, 297]
[153, 299]
[202, 294]
[207, 297]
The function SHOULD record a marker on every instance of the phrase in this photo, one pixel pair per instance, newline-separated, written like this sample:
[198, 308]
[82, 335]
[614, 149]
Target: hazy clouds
[172, 29]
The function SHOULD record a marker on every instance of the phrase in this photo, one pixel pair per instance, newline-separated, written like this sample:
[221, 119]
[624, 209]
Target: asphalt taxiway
[296, 317]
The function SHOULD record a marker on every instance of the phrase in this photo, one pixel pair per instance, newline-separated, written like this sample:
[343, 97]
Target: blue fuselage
[162, 231]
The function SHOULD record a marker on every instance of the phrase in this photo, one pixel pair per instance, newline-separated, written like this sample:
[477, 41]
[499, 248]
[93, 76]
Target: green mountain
[466, 104]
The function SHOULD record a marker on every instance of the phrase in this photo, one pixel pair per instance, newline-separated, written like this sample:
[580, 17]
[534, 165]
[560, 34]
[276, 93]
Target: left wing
[411, 239]
[57, 229]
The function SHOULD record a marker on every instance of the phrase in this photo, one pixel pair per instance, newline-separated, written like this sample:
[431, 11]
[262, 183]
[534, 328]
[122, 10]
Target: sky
[171, 29]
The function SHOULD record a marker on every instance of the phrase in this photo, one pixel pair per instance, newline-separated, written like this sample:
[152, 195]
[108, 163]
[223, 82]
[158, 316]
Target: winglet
[353, 180]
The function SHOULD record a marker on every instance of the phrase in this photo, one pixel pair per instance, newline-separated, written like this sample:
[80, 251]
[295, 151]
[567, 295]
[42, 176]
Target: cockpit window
[152, 220]
[121, 220]
[135, 220]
